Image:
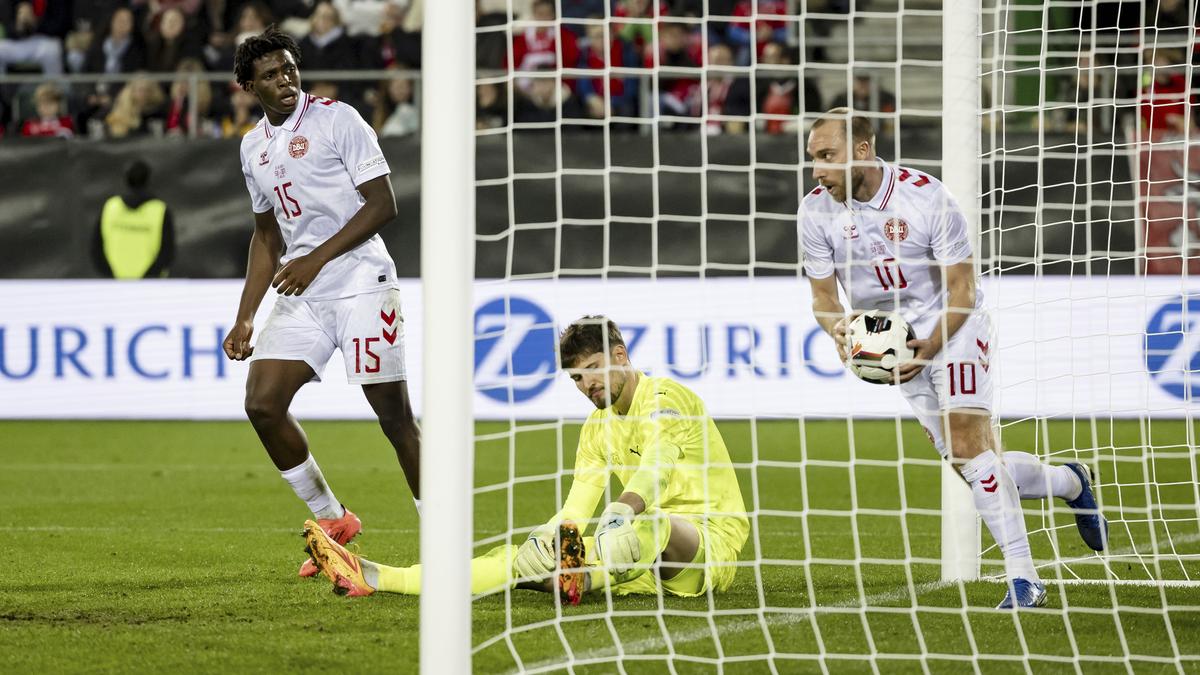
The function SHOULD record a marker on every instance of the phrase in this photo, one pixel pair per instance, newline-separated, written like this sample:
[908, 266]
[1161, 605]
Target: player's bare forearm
[634, 500]
[266, 245]
[826, 306]
[960, 302]
[379, 210]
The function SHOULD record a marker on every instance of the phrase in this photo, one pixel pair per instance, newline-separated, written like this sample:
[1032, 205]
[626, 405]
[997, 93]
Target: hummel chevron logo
[989, 484]
[388, 317]
[390, 336]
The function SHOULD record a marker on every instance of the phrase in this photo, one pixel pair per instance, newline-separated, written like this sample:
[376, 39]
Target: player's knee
[263, 410]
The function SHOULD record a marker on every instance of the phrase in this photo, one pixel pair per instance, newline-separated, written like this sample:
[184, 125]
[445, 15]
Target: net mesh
[657, 181]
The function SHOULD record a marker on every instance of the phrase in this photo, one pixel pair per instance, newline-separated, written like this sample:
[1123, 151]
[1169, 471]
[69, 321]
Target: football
[878, 345]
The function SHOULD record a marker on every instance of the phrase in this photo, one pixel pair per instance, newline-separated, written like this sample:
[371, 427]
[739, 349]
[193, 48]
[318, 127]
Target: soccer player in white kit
[895, 239]
[319, 187]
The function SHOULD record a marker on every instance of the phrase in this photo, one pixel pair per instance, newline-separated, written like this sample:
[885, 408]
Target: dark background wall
[656, 209]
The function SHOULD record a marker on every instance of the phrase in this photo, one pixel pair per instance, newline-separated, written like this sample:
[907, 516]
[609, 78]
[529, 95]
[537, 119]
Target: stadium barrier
[1111, 347]
[630, 207]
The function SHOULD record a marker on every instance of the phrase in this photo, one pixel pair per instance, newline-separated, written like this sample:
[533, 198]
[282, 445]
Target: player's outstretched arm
[379, 209]
[266, 245]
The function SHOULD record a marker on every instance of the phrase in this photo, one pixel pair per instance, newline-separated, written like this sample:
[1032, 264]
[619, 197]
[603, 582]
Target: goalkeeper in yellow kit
[677, 526]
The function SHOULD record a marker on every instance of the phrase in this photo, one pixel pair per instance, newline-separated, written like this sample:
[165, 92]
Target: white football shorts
[959, 377]
[368, 328]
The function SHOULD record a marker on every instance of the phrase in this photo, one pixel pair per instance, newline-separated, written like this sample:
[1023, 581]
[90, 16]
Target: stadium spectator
[763, 32]
[491, 106]
[727, 94]
[139, 102]
[398, 42]
[395, 112]
[135, 233]
[491, 46]
[171, 42]
[50, 122]
[363, 17]
[866, 95]
[678, 95]
[252, 19]
[243, 114]
[595, 53]
[639, 34]
[1165, 96]
[1168, 15]
[33, 34]
[327, 46]
[540, 103]
[76, 46]
[778, 89]
[537, 46]
[121, 50]
[179, 120]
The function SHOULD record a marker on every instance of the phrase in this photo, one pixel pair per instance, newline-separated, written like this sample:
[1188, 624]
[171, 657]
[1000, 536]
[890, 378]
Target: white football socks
[309, 484]
[1035, 479]
[417, 503]
[999, 505]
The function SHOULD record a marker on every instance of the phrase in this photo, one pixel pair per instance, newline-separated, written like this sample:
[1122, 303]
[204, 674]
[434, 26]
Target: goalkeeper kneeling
[678, 525]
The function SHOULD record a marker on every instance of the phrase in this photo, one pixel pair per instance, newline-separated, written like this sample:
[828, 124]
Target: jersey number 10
[884, 274]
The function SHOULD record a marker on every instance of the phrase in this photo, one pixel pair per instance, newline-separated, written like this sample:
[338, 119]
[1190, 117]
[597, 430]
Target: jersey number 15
[281, 191]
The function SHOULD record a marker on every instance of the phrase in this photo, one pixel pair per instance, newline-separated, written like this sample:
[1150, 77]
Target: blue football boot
[1093, 527]
[1028, 594]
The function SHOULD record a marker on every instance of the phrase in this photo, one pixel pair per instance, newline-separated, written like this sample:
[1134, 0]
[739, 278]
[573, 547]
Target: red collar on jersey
[298, 115]
[886, 187]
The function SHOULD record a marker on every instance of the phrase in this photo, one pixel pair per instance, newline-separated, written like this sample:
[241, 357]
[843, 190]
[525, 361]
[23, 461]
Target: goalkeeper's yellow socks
[490, 572]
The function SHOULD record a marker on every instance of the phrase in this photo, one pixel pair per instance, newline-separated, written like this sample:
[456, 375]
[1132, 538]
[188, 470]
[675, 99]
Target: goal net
[645, 160]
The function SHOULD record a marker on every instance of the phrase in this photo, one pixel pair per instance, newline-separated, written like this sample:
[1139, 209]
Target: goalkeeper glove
[535, 559]
[616, 542]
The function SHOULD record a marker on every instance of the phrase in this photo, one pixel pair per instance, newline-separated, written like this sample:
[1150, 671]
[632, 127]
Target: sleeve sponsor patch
[666, 412]
[375, 161]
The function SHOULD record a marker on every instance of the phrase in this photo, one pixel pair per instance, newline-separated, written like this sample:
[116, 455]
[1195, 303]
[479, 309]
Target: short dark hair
[861, 127]
[137, 174]
[586, 336]
[257, 46]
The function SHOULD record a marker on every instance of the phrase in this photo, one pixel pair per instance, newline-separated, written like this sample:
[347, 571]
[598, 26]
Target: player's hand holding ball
[841, 336]
[237, 343]
[616, 543]
[535, 560]
[297, 274]
[879, 348]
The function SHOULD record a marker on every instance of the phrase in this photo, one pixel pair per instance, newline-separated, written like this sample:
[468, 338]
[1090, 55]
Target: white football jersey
[888, 252]
[307, 171]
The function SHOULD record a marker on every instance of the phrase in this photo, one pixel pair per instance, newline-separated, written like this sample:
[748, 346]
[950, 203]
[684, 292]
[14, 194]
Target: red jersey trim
[888, 195]
[307, 102]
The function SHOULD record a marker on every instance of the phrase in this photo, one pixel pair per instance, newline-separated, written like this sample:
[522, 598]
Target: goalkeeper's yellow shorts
[713, 567]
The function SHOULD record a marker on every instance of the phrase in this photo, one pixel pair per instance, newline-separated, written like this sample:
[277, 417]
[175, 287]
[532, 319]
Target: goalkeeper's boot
[332, 559]
[571, 562]
[1024, 594]
[342, 530]
[1093, 527]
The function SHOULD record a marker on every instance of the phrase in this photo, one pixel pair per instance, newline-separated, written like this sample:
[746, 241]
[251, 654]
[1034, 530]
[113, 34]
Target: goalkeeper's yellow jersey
[694, 475]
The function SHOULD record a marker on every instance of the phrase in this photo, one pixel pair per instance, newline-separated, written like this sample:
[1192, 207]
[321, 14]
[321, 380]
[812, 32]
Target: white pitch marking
[781, 618]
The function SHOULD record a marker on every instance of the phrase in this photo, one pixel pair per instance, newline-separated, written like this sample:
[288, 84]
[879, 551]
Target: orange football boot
[342, 530]
[332, 559]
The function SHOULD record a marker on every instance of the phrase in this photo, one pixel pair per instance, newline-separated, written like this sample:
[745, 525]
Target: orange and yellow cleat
[571, 563]
[340, 566]
[341, 530]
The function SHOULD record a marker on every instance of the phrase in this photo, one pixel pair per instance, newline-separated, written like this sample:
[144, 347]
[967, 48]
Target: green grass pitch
[174, 546]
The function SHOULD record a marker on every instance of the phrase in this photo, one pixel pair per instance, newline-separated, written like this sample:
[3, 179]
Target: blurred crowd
[720, 59]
